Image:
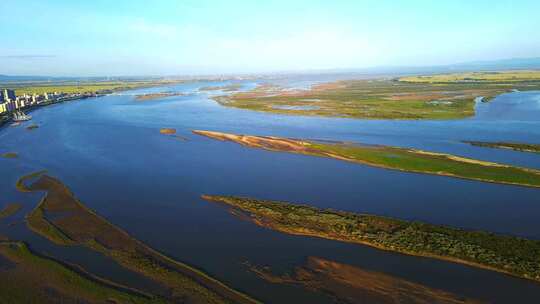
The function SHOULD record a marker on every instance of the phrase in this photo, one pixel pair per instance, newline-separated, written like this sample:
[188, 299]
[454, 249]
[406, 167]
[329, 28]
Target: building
[19, 104]
[7, 94]
[8, 106]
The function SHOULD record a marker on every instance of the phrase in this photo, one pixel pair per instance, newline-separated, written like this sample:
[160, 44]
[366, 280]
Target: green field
[433, 163]
[82, 87]
[395, 158]
[512, 255]
[31, 278]
[379, 98]
[481, 77]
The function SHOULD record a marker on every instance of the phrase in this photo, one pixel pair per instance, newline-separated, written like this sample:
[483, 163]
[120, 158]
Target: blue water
[110, 153]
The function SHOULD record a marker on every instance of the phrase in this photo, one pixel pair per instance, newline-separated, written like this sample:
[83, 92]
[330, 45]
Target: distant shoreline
[7, 117]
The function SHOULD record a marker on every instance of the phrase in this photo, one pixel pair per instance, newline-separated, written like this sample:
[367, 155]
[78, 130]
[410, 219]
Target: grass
[534, 148]
[9, 210]
[10, 155]
[75, 224]
[395, 158]
[511, 255]
[82, 87]
[31, 278]
[152, 96]
[376, 98]
[481, 77]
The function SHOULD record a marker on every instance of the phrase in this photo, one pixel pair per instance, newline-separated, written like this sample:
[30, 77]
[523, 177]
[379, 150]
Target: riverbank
[79, 92]
[8, 118]
[511, 255]
[64, 220]
[23, 281]
[394, 158]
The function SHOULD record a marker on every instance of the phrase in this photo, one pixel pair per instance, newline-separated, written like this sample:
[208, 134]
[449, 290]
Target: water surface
[110, 153]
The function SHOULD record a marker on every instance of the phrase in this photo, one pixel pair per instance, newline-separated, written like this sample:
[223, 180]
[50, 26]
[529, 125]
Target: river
[110, 153]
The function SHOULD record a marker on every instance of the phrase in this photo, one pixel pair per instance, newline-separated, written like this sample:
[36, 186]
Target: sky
[177, 37]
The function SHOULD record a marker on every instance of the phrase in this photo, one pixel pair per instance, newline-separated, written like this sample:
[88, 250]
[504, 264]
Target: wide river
[110, 153]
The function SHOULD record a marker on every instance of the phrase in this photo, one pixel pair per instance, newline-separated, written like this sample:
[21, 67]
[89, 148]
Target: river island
[511, 255]
[153, 96]
[388, 157]
[424, 97]
[521, 147]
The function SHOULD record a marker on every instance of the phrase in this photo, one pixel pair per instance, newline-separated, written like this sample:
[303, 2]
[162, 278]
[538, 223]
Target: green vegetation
[226, 88]
[64, 220]
[21, 182]
[10, 155]
[512, 255]
[9, 210]
[349, 284]
[534, 148]
[395, 158]
[152, 96]
[31, 278]
[378, 98]
[481, 77]
[83, 86]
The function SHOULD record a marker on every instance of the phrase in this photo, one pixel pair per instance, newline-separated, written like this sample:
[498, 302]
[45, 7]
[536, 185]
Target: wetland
[120, 209]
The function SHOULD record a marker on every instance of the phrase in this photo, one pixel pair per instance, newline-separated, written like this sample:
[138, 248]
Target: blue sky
[135, 37]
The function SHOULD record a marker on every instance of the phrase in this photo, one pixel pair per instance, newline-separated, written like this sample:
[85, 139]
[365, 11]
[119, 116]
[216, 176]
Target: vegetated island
[395, 158]
[64, 220]
[9, 210]
[423, 97]
[225, 88]
[152, 96]
[32, 278]
[477, 77]
[350, 284]
[32, 127]
[10, 155]
[172, 133]
[167, 131]
[533, 148]
[511, 255]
